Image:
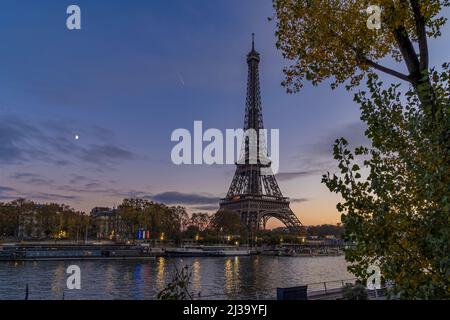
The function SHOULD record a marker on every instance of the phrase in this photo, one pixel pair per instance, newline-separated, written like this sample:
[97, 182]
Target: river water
[253, 277]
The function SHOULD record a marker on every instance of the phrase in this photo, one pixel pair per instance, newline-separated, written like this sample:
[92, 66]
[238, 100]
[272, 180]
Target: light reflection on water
[212, 278]
[196, 276]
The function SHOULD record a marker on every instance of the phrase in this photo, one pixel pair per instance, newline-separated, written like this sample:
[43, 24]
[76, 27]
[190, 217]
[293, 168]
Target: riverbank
[56, 252]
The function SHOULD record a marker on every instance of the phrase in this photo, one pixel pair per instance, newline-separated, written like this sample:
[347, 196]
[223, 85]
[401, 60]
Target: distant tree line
[156, 217]
[326, 230]
[25, 219]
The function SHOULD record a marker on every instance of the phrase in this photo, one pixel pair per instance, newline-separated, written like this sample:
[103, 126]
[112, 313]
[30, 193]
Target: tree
[46, 217]
[22, 218]
[178, 288]
[9, 220]
[200, 221]
[180, 219]
[228, 222]
[330, 39]
[130, 211]
[157, 217]
[355, 291]
[396, 194]
[325, 229]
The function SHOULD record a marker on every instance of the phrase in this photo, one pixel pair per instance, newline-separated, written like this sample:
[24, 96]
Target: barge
[110, 252]
[208, 251]
[74, 252]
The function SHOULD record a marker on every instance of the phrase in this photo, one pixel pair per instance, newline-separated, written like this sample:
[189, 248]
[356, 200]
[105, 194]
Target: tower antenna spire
[253, 41]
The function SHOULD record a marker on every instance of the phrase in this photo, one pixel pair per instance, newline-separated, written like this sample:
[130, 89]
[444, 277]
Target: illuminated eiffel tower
[254, 192]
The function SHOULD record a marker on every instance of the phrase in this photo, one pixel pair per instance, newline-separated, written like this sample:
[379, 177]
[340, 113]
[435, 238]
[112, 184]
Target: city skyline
[86, 116]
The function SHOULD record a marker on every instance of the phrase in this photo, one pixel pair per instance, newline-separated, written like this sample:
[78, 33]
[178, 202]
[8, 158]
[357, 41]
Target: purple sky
[139, 70]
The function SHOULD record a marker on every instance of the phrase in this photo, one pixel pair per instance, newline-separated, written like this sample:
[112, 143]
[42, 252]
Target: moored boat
[233, 252]
[224, 251]
[72, 252]
[186, 252]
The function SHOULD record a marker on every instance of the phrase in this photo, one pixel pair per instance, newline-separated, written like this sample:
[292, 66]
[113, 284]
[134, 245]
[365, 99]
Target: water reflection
[137, 278]
[161, 267]
[109, 276]
[214, 277]
[147, 278]
[232, 276]
[196, 276]
[58, 275]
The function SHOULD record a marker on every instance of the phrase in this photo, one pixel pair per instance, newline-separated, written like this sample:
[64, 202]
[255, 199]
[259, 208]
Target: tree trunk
[424, 89]
[418, 70]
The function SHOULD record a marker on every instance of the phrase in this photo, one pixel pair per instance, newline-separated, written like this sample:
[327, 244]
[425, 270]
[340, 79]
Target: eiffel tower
[254, 192]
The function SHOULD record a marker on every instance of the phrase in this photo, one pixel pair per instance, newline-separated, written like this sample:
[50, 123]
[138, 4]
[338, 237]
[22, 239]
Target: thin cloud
[22, 142]
[318, 158]
[93, 185]
[76, 178]
[284, 176]
[6, 189]
[32, 179]
[206, 207]
[16, 140]
[173, 197]
[7, 193]
[180, 78]
[298, 200]
[105, 153]
[51, 197]
[352, 132]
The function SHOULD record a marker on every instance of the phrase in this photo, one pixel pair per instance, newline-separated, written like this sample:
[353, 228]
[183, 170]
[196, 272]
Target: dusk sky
[139, 70]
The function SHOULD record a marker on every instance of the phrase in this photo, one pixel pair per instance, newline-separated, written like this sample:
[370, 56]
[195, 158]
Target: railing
[334, 288]
[328, 286]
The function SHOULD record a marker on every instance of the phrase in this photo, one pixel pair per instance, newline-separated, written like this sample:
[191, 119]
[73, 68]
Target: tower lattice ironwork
[254, 192]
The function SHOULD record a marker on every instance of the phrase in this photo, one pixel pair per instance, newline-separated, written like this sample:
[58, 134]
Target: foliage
[159, 218]
[396, 193]
[355, 292]
[26, 219]
[200, 221]
[330, 39]
[325, 230]
[44, 221]
[178, 288]
[228, 222]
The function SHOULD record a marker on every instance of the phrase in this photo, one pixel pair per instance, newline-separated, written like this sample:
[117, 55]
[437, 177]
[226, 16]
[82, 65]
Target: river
[251, 277]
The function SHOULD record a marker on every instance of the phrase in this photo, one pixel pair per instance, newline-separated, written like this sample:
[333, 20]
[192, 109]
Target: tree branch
[361, 57]
[387, 70]
[421, 35]
[409, 54]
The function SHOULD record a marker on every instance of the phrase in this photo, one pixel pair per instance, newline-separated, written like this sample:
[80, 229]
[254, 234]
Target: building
[107, 223]
[28, 227]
